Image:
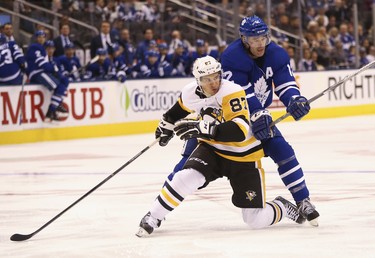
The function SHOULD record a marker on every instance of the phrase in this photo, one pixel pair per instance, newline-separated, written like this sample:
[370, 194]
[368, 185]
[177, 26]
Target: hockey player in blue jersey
[41, 71]
[12, 62]
[258, 65]
[70, 65]
[152, 67]
[102, 69]
[118, 62]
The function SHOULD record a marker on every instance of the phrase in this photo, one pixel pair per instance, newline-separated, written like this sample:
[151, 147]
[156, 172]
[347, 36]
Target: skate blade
[142, 233]
[314, 222]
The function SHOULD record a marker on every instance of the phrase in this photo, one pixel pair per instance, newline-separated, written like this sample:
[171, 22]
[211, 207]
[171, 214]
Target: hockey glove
[298, 107]
[188, 129]
[260, 122]
[164, 131]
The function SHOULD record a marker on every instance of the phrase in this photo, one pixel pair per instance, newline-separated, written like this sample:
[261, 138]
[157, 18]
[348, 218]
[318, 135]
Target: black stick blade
[20, 237]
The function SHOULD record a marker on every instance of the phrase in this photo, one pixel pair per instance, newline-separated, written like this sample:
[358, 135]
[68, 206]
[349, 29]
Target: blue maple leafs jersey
[259, 76]
[37, 60]
[11, 58]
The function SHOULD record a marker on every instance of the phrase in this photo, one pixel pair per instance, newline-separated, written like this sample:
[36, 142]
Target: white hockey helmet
[205, 66]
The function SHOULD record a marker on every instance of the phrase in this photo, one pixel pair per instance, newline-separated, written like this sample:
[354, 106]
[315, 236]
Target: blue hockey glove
[298, 107]
[260, 122]
[187, 129]
[164, 131]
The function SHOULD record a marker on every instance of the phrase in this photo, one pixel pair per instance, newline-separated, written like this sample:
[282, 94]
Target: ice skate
[147, 225]
[62, 111]
[51, 116]
[307, 210]
[291, 211]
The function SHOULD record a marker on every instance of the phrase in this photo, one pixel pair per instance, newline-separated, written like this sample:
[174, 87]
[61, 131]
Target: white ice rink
[38, 181]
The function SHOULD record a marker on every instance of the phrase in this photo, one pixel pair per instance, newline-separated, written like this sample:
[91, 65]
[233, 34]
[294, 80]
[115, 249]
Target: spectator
[362, 57]
[127, 45]
[291, 52]
[103, 40]
[306, 63]
[62, 40]
[150, 11]
[324, 54]
[371, 54]
[12, 62]
[8, 31]
[346, 38]
[338, 58]
[176, 39]
[314, 58]
[41, 71]
[143, 46]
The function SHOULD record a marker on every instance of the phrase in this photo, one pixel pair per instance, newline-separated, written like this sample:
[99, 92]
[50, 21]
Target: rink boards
[109, 108]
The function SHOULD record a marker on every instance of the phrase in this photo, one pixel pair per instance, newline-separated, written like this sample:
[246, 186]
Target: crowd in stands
[327, 27]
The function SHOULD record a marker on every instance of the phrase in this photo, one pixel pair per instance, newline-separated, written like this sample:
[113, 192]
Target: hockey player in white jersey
[226, 148]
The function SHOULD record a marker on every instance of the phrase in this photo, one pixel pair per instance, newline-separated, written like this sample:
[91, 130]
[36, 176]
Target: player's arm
[164, 131]
[288, 91]
[234, 129]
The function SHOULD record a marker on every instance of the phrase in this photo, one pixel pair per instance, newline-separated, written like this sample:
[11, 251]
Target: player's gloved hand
[187, 129]
[164, 131]
[260, 121]
[23, 68]
[298, 107]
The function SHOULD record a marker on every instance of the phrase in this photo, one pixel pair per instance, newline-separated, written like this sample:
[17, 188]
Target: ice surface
[39, 180]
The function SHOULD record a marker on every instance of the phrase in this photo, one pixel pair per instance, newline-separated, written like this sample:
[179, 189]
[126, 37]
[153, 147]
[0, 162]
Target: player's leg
[247, 181]
[291, 174]
[54, 85]
[174, 191]
[189, 147]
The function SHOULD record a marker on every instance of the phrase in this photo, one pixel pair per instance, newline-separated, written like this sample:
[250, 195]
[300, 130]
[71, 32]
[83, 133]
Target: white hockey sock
[184, 182]
[264, 217]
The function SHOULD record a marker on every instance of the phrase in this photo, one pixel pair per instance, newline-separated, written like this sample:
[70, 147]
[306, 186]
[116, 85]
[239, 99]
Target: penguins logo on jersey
[211, 114]
[250, 195]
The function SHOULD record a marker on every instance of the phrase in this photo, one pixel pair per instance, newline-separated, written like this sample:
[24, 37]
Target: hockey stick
[24, 78]
[331, 88]
[21, 237]
[79, 70]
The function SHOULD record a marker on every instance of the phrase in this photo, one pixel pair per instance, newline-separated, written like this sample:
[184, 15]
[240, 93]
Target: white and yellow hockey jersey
[229, 108]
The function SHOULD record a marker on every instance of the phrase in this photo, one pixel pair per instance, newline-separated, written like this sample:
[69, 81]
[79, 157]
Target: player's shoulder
[277, 52]
[230, 87]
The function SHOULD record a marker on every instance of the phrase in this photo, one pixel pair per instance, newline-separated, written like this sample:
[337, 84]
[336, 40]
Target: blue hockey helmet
[69, 45]
[3, 39]
[200, 43]
[152, 53]
[49, 43]
[40, 33]
[163, 46]
[101, 52]
[253, 26]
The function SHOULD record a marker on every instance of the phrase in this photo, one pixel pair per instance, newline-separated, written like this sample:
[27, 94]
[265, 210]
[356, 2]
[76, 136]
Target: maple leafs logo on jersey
[260, 90]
